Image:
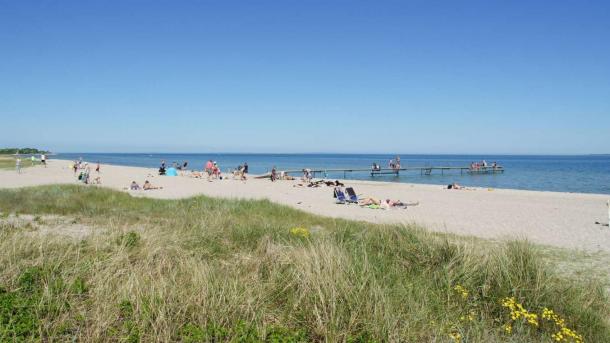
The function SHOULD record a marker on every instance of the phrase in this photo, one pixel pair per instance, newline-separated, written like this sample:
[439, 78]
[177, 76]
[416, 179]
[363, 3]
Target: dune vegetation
[92, 264]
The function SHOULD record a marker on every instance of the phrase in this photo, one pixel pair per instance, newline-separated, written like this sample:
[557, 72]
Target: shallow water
[583, 174]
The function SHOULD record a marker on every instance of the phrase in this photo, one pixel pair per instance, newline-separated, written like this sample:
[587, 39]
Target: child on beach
[273, 174]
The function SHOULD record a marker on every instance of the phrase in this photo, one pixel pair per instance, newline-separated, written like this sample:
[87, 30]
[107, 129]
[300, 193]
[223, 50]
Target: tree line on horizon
[12, 151]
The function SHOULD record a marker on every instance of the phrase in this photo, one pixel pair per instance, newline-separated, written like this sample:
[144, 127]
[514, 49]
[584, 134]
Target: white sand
[557, 219]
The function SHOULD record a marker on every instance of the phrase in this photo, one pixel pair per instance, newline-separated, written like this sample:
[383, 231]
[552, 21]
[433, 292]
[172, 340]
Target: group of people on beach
[146, 186]
[84, 175]
[211, 170]
[43, 161]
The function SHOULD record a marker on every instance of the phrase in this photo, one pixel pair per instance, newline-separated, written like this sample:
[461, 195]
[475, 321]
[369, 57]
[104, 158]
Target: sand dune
[557, 219]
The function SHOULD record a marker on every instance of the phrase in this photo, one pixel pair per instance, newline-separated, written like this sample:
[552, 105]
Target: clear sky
[306, 76]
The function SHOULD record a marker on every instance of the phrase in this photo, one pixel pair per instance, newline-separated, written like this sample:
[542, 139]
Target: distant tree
[25, 151]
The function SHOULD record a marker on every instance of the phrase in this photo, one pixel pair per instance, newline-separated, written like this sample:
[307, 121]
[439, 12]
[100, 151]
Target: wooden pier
[396, 171]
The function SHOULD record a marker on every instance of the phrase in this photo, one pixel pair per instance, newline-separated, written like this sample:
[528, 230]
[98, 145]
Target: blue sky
[518, 77]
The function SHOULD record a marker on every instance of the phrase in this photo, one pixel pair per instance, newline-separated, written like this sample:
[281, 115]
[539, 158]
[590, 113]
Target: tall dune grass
[214, 270]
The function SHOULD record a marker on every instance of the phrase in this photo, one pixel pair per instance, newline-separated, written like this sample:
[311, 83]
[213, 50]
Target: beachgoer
[43, 159]
[387, 204]
[369, 201]
[18, 165]
[216, 171]
[273, 174]
[245, 168]
[209, 166]
[33, 159]
[308, 174]
[97, 167]
[454, 186]
[184, 165]
[134, 186]
[243, 173]
[148, 186]
[75, 167]
[163, 164]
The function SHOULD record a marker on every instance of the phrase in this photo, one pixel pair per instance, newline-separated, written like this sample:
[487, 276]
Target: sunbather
[148, 186]
[369, 201]
[454, 186]
[134, 186]
[387, 204]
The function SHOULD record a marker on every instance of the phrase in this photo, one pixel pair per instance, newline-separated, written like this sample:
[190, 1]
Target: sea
[578, 174]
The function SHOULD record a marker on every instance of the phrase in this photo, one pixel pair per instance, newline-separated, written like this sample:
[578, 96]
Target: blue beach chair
[340, 196]
[353, 198]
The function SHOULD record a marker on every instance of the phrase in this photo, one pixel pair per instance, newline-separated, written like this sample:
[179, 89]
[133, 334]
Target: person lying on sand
[454, 186]
[148, 186]
[458, 187]
[387, 204]
[369, 201]
[196, 175]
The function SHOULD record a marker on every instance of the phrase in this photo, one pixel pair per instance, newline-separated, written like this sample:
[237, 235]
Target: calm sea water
[584, 174]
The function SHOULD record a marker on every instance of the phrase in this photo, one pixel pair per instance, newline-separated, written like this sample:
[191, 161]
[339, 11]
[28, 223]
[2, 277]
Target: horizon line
[333, 153]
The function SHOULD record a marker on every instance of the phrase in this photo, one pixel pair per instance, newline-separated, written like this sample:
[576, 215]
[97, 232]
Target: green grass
[8, 162]
[214, 270]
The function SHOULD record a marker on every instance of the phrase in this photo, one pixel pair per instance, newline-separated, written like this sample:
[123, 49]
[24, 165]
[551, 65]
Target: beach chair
[353, 198]
[340, 196]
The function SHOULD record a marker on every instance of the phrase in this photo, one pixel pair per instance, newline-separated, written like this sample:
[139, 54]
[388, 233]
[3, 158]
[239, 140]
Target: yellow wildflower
[459, 289]
[300, 232]
[456, 336]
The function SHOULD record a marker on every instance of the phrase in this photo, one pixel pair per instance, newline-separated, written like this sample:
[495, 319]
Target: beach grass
[92, 264]
[8, 162]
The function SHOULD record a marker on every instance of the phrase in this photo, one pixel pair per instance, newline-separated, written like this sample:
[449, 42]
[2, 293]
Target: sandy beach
[564, 220]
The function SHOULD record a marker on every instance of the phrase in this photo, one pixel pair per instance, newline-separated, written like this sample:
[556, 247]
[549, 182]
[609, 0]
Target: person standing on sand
[245, 167]
[273, 174]
[33, 160]
[97, 167]
[18, 165]
[43, 159]
[209, 167]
